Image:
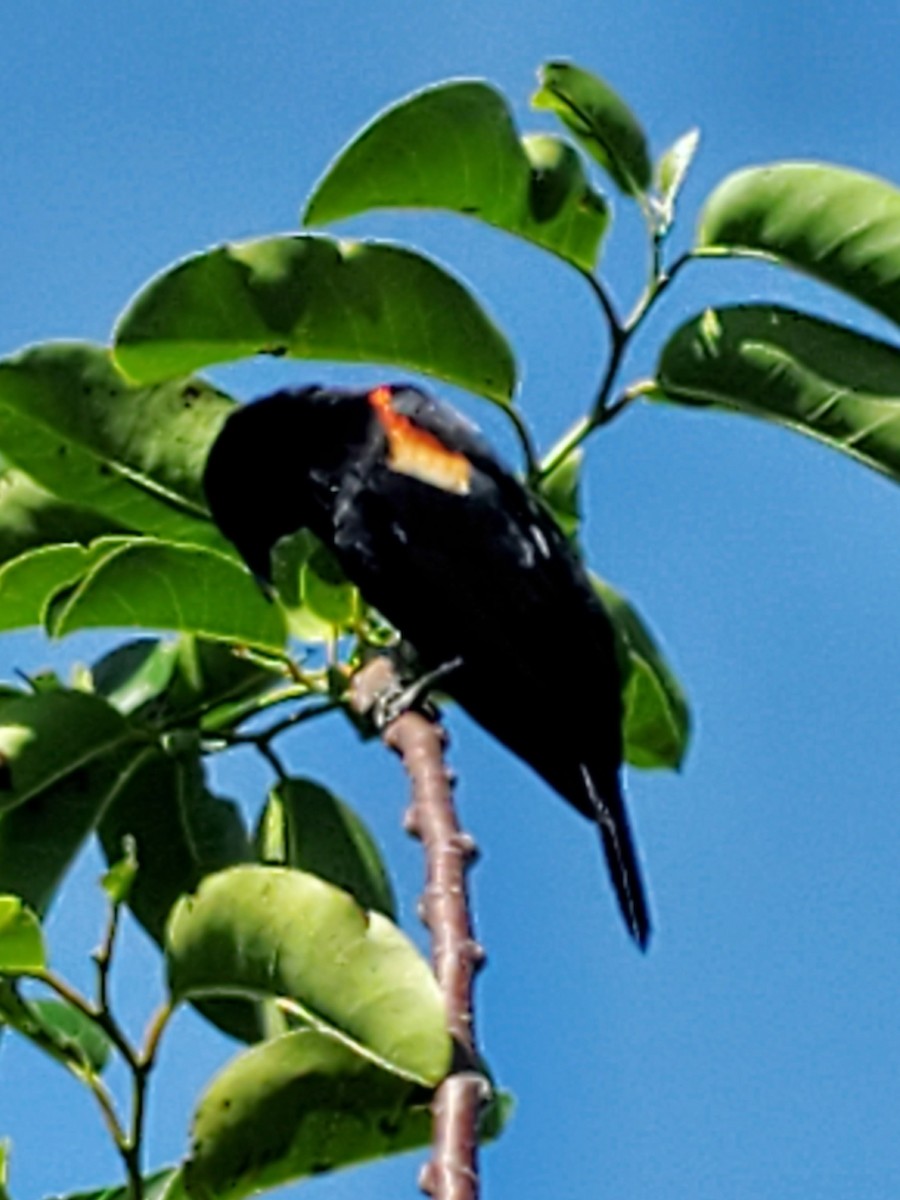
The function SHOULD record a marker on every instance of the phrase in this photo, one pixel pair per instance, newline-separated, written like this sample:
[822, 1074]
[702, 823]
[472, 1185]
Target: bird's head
[276, 464]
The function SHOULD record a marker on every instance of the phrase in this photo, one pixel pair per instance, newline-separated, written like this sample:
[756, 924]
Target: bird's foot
[410, 695]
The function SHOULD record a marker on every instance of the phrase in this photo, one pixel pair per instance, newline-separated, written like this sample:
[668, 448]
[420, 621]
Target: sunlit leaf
[133, 454]
[600, 119]
[314, 297]
[671, 172]
[455, 147]
[307, 827]
[841, 226]
[269, 931]
[156, 585]
[21, 939]
[833, 384]
[656, 722]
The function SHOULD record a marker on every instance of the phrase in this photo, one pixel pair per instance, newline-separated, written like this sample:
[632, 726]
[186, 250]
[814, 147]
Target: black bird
[461, 559]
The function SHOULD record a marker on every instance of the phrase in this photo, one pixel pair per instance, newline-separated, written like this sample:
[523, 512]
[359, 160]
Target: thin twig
[452, 1173]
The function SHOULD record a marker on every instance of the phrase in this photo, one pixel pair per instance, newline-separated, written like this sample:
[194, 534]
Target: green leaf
[841, 226]
[133, 454]
[560, 491]
[300, 586]
[455, 147]
[601, 121]
[30, 517]
[76, 1034]
[671, 172]
[63, 755]
[307, 827]
[656, 723]
[314, 297]
[298, 1106]
[827, 382]
[29, 583]
[5, 1147]
[135, 673]
[270, 931]
[118, 880]
[164, 681]
[157, 585]
[181, 833]
[21, 940]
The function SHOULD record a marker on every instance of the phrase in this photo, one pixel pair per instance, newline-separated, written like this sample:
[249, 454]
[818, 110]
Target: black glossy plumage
[484, 576]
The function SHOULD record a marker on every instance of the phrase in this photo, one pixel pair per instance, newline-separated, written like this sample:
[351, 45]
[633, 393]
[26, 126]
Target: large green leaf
[181, 833]
[29, 583]
[455, 146]
[601, 120]
[63, 756]
[270, 931]
[314, 297]
[156, 585]
[297, 1106]
[133, 454]
[305, 826]
[841, 226]
[656, 722]
[30, 516]
[830, 383]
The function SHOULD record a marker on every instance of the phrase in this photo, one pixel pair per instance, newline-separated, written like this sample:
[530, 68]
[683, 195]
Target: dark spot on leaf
[470, 208]
[105, 469]
[80, 779]
[226, 1104]
[319, 1168]
[389, 1127]
[191, 390]
[276, 351]
[62, 451]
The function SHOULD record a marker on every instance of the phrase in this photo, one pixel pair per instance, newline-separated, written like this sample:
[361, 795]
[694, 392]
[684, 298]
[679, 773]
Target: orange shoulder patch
[418, 453]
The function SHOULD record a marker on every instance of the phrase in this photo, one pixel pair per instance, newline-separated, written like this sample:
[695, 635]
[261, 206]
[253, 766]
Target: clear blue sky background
[755, 1051]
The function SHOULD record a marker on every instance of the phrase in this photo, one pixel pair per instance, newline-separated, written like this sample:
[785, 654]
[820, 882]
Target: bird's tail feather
[621, 857]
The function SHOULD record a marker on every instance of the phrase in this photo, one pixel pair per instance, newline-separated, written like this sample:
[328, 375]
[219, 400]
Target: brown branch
[452, 1173]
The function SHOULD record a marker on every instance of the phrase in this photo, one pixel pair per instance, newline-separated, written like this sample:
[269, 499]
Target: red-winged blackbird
[455, 553]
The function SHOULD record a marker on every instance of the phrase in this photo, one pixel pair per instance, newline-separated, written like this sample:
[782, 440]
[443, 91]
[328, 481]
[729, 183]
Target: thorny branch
[452, 1173]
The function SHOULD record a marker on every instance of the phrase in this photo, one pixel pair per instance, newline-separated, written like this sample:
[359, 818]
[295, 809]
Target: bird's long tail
[621, 857]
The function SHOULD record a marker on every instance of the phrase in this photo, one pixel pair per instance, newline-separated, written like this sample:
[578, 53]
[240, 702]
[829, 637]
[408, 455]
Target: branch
[419, 740]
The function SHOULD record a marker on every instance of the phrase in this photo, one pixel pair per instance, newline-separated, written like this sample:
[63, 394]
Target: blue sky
[755, 1050]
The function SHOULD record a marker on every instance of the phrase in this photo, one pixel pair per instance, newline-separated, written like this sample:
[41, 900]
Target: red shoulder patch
[416, 452]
